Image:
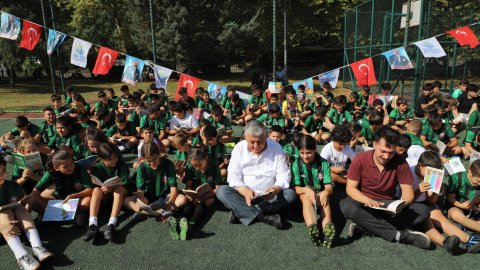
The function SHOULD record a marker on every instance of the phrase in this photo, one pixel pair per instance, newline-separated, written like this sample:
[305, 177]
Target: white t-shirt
[335, 158]
[189, 121]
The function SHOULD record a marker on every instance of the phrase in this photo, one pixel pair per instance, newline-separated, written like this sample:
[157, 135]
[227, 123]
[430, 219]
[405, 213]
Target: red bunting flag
[31, 34]
[105, 60]
[364, 72]
[464, 36]
[188, 82]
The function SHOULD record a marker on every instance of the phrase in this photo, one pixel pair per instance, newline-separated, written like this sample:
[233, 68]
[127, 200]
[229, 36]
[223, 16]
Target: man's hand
[373, 203]
[27, 174]
[69, 197]
[247, 193]
[271, 193]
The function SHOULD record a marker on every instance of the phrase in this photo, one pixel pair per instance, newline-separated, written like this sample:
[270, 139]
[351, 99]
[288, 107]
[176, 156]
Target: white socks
[92, 221]
[113, 221]
[397, 237]
[34, 238]
[16, 246]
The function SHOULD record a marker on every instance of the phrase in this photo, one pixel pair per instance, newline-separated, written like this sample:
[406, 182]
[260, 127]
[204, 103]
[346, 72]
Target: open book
[200, 192]
[12, 144]
[435, 178]
[88, 161]
[15, 204]
[111, 182]
[441, 147]
[58, 211]
[391, 207]
[150, 209]
[259, 196]
[461, 118]
[474, 156]
[31, 161]
[361, 148]
[454, 165]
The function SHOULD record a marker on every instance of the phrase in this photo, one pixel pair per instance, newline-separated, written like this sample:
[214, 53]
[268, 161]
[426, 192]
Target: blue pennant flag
[216, 91]
[55, 39]
[132, 73]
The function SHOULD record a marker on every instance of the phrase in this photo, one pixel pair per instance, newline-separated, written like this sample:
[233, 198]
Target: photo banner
[330, 77]
[162, 74]
[398, 59]
[55, 39]
[132, 73]
[216, 91]
[9, 26]
[79, 53]
[430, 48]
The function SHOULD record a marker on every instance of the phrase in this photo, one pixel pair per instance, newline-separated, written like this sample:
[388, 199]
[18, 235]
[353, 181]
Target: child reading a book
[65, 139]
[235, 108]
[57, 105]
[203, 170]
[148, 135]
[47, 128]
[414, 129]
[108, 167]
[16, 219]
[257, 103]
[182, 122]
[462, 189]
[105, 119]
[123, 133]
[401, 115]
[222, 123]
[206, 103]
[216, 150]
[27, 178]
[64, 180]
[273, 117]
[23, 128]
[313, 184]
[155, 120]
[472, 143]
[337, 115]
[79, 105]
[338, 152]
[424, 194]
[435, 131]
[180, 141]
[313, 125]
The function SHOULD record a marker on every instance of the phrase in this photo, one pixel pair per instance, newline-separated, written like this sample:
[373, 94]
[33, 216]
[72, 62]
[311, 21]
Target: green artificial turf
[220, 245]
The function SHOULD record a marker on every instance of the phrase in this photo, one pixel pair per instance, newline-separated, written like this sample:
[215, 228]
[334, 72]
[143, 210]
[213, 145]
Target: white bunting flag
[330, 77]
[79, 54]
[161, 76]
[430, 48]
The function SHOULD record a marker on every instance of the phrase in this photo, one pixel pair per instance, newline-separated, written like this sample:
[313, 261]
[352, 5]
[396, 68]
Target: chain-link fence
[378, 26]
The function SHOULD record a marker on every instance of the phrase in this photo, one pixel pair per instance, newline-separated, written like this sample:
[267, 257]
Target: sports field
[220, 245]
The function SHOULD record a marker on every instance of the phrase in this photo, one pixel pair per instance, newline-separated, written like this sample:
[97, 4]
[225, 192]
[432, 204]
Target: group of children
[77, 140]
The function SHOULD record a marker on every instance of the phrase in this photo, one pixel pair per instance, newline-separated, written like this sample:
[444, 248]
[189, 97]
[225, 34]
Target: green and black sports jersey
[106, 125]
[72, 141]
[292, 151]
[89, 124]
[459, 185]
[338, 118]
[473, 119]
[270, 121]
[315, 175]
[110, 106]
[223, 123]
[396, 115]
[206, 106]
[103, 172]
[211, 176]
[415, 140]
[47, 131]
[444, 134]
[235, 110]
[156, 182]
[217, 153]
[258, 100]
[156, 124]
[363, 101]
[10, 192]
[32, 128]
[66, 184]
[134, 118]
[129, 130]
[311, 125]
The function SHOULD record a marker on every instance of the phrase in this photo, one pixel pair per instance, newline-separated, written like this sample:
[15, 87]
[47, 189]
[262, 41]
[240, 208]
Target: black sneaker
[450, 244]
[414, 238]
[473, 243]
[233, 218]
[273, 220]
[109, 232]
[91, 232]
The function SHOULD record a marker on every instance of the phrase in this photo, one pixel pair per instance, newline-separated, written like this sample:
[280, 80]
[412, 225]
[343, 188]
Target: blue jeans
[246, 214]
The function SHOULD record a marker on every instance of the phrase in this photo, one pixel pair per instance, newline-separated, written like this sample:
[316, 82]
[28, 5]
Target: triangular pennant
[162, 74]
[364, 72]
[105, 60]
[430, 47]
[188, 82]
[79, 54]
[132, 73]
[464, 36]
[9, 26]
[331, 77]
[31, 34]
[398, 59]
[55, 39]
[216, 91]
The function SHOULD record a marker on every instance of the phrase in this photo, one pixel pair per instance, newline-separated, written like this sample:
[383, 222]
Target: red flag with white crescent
[464, 36]
[188, 82]
[31, 34]
[364, 72]
[105, 60]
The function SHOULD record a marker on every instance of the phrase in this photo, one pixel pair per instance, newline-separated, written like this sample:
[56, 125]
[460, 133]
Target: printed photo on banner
[330, 77]
[79, 54]
[162, 74]
[398, 59]
[274, 87]
[216, 91]
[132, 73]
[9, 26]
[430, 47]
[54, 40]
[308, 83]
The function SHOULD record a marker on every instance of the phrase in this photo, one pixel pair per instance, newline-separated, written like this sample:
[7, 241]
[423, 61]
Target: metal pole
[454, 62]
[274, 39]
[407, 23]
[344, 47]
[285, 36]
[49, 58]
[58, 48]
[391, 35]
[418, 59]
[152, 25]
[356, 37]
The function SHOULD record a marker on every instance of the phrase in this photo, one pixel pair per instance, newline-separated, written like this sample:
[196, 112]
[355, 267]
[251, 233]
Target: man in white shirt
[259, 179]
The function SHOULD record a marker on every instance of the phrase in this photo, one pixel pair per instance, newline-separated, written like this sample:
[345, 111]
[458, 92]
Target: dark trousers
[246, 214]
[383, 225]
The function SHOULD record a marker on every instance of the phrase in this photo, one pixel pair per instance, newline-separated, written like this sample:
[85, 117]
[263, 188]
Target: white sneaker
[27, 262]
[122, 148]
[41, 253]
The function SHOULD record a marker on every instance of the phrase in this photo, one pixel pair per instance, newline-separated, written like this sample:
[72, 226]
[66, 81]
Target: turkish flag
[31, 33]
[188, 82]
[464, 36]
[364, 72]
[105, 60]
